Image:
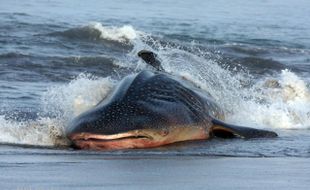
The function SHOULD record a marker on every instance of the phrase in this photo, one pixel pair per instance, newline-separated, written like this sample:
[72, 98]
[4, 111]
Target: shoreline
[167, 172]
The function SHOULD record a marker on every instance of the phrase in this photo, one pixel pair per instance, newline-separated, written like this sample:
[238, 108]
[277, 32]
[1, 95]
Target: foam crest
[120, 34]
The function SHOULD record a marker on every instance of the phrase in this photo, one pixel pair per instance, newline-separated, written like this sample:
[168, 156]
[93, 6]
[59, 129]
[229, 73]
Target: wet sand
[74, 171]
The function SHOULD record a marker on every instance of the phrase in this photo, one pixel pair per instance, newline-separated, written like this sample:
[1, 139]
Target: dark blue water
[58, 59]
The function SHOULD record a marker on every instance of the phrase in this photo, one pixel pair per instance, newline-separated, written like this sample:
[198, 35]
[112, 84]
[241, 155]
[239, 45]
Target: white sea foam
[279, 102]
[60, 104]
[42, 132]
[120, 34]
[285, 103]
[80, 94]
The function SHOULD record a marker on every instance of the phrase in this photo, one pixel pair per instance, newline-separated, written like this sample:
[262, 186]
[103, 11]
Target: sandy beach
[67, 170]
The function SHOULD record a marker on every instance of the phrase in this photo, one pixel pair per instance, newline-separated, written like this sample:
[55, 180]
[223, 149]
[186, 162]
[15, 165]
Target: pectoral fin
[224, 130]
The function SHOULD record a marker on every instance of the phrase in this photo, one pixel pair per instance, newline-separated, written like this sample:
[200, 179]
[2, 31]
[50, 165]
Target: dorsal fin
[221, 129]
[151, 59]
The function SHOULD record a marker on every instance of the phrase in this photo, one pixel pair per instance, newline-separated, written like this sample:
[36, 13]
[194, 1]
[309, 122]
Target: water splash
[69, 100]
[42, 132]
[280, 101]
[284, 102]
[60, 104]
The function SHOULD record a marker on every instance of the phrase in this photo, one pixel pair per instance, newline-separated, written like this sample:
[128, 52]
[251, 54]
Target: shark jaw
[144, 138]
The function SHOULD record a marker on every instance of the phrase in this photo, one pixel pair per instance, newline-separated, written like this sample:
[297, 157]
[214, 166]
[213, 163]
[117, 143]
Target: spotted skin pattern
[151, 109]
[148, 100]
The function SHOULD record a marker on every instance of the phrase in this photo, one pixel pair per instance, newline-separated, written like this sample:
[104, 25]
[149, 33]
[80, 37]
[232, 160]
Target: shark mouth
[111, 142]
[146, 138]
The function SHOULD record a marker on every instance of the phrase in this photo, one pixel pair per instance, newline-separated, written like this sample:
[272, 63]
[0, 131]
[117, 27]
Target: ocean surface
[60, 58]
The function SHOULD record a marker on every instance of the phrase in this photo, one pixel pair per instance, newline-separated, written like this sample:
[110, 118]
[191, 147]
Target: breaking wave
[97, 31]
